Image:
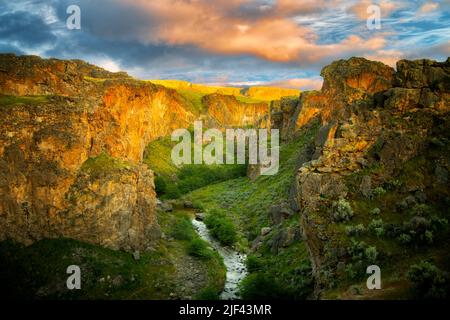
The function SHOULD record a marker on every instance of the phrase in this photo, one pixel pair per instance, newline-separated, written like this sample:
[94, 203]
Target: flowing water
[233, 260]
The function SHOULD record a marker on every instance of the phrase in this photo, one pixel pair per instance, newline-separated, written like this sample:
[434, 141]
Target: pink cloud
[297, 83]
[389, 57]
[428, 7]
[215, 27]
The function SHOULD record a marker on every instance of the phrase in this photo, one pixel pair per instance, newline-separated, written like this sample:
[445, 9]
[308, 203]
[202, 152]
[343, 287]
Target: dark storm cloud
[108, 19]
[25, 28]
[222, 40]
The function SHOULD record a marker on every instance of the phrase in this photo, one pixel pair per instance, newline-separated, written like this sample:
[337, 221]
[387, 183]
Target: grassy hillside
[398, 232]
[6, 101]
[169, 270]
[285, 273]
[199, 88]
[194, 92]
[172, 182]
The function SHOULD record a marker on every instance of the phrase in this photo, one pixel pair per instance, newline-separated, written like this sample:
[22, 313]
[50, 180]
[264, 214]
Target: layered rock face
[44, 189]
[371, 117]
[31, 75]
[227, 111]
[84, 112]
[283, 115]
[346, 83]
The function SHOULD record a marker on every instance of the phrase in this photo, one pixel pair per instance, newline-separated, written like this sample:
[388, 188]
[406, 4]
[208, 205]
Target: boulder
[257, 243]
[265, 231]
[277, 242]
[200, 216]
[366, 186]
[166, 207]
[188, 204]
[280, 212]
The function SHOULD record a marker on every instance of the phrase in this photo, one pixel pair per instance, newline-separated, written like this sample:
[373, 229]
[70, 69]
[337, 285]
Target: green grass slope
[171, 269]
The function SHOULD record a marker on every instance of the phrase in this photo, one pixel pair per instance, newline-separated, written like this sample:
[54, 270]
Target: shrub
[394, 184]
[160, 185]
[207, 294]
[221, 227]
[199, 248]
[193, 177]
[428, 280]
[253, 264]
[428, 237]
[417, 225]
[371, 254]
[356, 250]
[377, 226]
[375, 212]
[379, 191]
[350, 271]
[405, 238]
[422, 210]
[355, 230]
[258, 286]
[172, 191]
[342, 211]
[183, 230]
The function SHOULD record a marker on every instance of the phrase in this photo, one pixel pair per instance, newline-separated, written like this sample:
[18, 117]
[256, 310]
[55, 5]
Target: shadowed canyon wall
[375, 120]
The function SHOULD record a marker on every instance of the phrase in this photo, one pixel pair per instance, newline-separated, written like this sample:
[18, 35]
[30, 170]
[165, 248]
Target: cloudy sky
[229, 42]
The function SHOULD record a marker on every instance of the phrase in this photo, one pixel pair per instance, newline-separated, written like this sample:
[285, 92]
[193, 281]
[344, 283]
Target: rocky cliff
[227, 111]
[46, 190]
[383, 139]
[59, 115]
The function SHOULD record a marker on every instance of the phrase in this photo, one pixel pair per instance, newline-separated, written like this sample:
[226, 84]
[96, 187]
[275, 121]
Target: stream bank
[234, 262]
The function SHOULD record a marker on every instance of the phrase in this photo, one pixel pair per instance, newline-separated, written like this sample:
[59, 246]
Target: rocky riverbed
[234, 262]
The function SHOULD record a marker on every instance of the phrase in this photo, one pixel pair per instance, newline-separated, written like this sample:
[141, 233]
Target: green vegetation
[193, 93]
[182, 229]
[194, 98]
[158, 157]
[7, 101]
[39, 271]
[172, 181]
[342, 211]
[402, 220]
[245, 99]
[208, 293]
[192, 177]
[95, 80]
[104, 164]
[429, 281]
[355, 230]
[221, 227]
[261, 287]
[200, 249]
[246, 204]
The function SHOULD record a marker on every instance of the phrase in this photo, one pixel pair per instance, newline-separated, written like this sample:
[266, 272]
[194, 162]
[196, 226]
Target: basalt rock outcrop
[44, 191]
[374, 121]
[85, 112]
[31, 75]
[228, 111]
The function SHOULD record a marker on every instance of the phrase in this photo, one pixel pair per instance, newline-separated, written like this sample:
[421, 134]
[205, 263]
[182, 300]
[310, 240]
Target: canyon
[73, 145]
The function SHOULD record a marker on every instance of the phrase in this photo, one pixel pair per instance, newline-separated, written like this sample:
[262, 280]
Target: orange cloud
[428, 7]
[389, 57]
[297, 83]
[270, 33]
